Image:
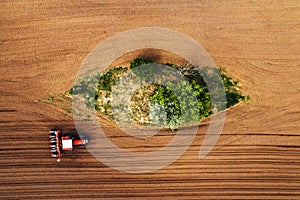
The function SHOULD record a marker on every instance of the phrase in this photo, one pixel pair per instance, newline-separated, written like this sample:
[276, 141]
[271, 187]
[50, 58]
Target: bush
[139, 61]
[233, 94]
[194, 108]
[110, 78]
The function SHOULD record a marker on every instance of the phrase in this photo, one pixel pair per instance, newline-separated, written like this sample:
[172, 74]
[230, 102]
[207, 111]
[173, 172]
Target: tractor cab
[67, 143]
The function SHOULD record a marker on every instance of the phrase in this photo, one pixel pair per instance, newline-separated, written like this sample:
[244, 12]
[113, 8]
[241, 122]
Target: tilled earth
[258, 153]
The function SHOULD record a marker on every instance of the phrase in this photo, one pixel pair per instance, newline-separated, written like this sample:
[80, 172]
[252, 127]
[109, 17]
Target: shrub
[139, 61]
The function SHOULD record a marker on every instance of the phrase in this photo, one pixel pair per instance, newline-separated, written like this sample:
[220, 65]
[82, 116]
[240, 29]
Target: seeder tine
[52, 134]
[53, 150]
[54, 155]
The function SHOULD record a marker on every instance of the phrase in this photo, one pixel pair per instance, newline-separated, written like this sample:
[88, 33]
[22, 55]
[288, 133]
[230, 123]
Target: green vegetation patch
[158, 105]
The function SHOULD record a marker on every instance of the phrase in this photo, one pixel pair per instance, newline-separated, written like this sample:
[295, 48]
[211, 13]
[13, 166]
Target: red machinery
[60, 143]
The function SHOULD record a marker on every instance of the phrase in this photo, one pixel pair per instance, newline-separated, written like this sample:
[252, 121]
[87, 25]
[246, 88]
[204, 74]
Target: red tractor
[60, 143]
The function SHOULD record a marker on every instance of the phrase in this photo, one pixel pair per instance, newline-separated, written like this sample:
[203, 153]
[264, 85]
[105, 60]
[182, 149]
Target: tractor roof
[67, 144]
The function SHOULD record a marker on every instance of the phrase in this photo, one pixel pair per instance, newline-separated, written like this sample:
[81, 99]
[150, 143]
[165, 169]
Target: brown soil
[257, 156]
